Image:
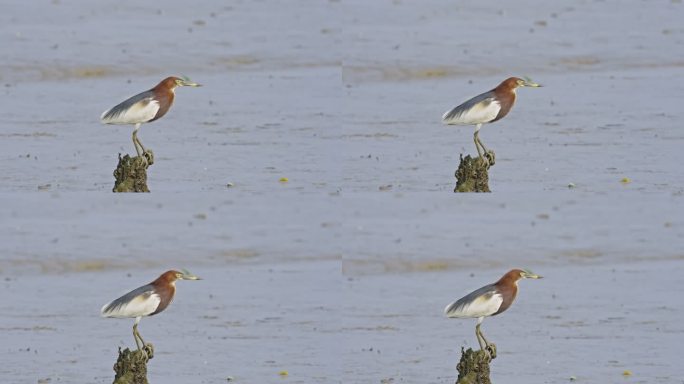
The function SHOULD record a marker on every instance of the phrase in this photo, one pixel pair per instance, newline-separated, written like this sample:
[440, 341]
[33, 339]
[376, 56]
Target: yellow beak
[529, 83]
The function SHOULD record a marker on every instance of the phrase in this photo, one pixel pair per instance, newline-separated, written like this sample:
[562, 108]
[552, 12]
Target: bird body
[145, 107]
[486, 108]
[147, 300]
[489, 300]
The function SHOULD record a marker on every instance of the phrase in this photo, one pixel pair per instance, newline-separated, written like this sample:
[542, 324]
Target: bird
[146, 107]
[147, 300]
[487, 108]
[489, 300]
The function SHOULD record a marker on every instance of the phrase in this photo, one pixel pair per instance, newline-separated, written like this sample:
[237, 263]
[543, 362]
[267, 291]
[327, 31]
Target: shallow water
[341, 273]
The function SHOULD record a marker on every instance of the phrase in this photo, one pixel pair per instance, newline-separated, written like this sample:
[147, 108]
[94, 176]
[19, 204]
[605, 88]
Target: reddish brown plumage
[508, 287]
[164, 94]
[505, 94]
[165, 287]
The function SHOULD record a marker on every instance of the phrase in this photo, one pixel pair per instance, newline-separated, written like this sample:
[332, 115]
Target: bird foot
[491, 157]
[491, 351]
[147, 351]
[148, 155]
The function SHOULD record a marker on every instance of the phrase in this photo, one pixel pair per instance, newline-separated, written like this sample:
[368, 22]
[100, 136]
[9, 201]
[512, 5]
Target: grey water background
[341, 274]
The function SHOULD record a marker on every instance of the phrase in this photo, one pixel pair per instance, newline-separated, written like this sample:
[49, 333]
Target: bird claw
[148, 155]
[147, 351]
[491, 158]
[491, 351]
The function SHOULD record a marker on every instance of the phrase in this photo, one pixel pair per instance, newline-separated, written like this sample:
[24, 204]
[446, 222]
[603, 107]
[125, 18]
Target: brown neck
[164, 95]
[506, 96]
[508, 287]
[165, 287]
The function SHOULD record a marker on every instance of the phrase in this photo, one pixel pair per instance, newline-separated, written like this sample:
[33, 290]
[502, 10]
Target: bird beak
[189, 276]
[185, 82]
[531, 275]
[529, 83]
[190, 84]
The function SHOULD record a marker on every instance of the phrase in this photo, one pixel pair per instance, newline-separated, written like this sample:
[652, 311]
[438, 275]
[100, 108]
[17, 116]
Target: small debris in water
[385, 187]
[625, 180]
[283, 180]
[571, 185]
[627, 372]
[284, 373]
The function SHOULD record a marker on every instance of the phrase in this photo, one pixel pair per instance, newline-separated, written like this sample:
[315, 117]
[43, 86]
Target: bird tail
[446, 117]
[449, 309]
[104, 312]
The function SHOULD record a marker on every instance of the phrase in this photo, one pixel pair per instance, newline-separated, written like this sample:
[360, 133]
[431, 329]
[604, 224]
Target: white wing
[138, 109]
[484, 302]
[139, 302]
[478, 110]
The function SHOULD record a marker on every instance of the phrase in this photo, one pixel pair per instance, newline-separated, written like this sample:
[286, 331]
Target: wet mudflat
[587, 323]
[341, 273]
[236, 323]
[355, 293]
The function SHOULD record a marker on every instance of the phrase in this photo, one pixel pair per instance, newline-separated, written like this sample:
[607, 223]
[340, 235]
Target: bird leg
[140, 144]
[136, 142]
[147, 154]
[136, 336]
[477, 144]
[146, 349]
[489, 155]
[479, 339]
[139, 337]
[490, 348]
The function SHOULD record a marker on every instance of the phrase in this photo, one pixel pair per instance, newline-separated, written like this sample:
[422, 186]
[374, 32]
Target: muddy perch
[131, 173]
[472, 175]
[131, 367]
[473, 367]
